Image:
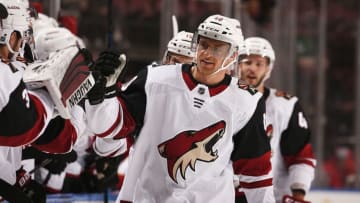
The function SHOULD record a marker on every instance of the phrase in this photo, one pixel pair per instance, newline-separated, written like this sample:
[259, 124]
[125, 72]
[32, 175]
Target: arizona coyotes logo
[268, 127]
[189, 146]
[269, 131]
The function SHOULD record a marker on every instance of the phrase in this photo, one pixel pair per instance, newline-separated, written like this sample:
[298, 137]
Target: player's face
[211, 54]
[176, 58]
[15, 41]
[253, 69]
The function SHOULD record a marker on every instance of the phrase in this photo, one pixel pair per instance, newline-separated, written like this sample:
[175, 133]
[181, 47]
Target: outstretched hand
[108, 66]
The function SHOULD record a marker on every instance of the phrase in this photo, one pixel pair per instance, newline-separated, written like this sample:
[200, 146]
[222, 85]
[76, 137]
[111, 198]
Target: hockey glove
[290, 199]
[12, 193]
[110, 64]
[106, 169]
[30, 188]
[35, 191]
[59, 163]
[22, 178]
[106, 70]
[97, 94]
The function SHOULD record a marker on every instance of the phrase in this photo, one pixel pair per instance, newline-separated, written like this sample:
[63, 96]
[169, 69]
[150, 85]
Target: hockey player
[34, 109]
[292, 156]
[23, 114]
[195, 127]
[179, 49]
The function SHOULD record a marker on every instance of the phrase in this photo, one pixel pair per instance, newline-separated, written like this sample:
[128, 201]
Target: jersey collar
[266, 93]
[191, 82]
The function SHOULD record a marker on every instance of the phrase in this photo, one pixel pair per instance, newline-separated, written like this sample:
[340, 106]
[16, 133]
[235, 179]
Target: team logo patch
[280, 93]
[190, 146]
[269, 131]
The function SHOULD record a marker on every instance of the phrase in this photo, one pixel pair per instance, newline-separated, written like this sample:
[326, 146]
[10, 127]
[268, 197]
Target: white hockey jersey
[292, 156]
[23, 114]
[10, 162]
[192, 138]
[27, 116]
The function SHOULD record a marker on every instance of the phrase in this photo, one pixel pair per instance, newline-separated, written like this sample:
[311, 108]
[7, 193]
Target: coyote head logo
[189, 146]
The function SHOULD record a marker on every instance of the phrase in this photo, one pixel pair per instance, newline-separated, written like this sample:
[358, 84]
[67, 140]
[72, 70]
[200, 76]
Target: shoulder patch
[244, 86]
[280, 93]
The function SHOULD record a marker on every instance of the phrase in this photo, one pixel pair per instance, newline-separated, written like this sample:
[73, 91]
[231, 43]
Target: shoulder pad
[280, 93]
[244, 86]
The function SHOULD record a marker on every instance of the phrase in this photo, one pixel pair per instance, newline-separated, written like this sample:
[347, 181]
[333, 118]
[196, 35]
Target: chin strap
[13, 53]
[224, 67]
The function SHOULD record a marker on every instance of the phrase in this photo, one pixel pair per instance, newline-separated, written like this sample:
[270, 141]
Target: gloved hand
[97, 94]
[35, 191]
[12, 193]
[22, 178]
[291, 199]
[32, 189]
[59, 162]
[109, 65]
[106, 169]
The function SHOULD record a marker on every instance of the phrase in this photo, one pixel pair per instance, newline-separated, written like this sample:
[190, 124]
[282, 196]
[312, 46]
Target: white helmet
[23, 3]
[50, 40]
[181, 44]
[15, 18]
[43, 21]
[259, 46]
[224, 29]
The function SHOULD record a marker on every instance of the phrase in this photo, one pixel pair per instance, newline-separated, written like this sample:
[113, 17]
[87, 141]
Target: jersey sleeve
[23, 114]
[297, 151]
[251, 158]
[120, 116]
[61, 134]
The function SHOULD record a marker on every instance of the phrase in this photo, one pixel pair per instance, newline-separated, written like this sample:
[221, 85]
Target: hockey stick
[175, 25]
[42, 164]
[110, 25]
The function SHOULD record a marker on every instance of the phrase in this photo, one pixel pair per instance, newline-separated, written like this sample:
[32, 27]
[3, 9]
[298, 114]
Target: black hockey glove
[97, 94]
[107, 62]
[23, 178]
[106, 169]
[109, 65]
[29, 187]
[12, 193]
[59, 162]
[35, 191]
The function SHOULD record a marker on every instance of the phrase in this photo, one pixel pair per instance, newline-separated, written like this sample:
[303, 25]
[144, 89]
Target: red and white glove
[290, 199]
[22, 178]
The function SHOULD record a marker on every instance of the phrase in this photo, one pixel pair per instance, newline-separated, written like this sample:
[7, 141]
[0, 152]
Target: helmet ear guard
[14, 17]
